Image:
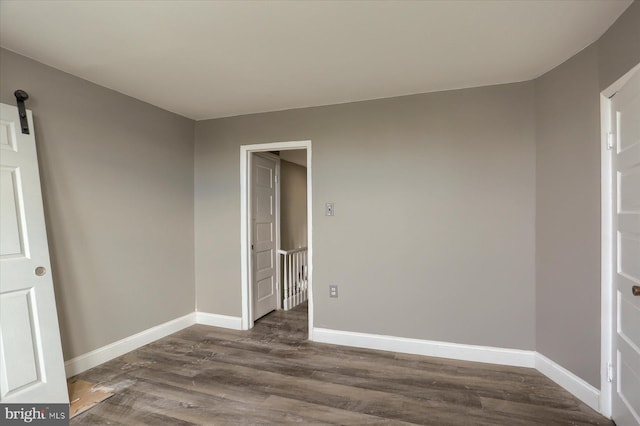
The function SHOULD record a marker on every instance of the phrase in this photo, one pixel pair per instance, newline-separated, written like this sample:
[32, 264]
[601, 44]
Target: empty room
[320, 212]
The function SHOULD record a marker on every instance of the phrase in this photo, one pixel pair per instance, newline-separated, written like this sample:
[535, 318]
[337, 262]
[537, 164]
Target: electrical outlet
[333, 291]
[329, 209]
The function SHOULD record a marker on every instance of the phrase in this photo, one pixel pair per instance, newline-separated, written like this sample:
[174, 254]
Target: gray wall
[568, 215]
[568, 196]
[117, 178]
[433, 236]
[619, 47]
[297, 156]
[293, 205]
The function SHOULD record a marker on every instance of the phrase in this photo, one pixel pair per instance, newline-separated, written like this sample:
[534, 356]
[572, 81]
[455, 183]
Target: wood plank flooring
[272, 375]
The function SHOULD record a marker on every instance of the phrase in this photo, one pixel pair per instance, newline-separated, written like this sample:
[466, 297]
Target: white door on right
[625, 119]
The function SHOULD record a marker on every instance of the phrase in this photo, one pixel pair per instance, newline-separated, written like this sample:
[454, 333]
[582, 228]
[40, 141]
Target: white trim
[113, 350]
[488, 354]
[278, 232]
[606, 256]
[572, 383]
[217, 320]
[311, 330]
[244, 236]
[245, 267]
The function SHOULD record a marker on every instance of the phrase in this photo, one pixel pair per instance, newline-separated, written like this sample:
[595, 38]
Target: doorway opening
[276, 229]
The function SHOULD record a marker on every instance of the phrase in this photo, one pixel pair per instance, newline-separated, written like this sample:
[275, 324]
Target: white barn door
[31, 363]
[625, 121]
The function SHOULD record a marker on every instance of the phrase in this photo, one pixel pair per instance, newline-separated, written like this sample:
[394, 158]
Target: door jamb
[606, 244]
[245, 234]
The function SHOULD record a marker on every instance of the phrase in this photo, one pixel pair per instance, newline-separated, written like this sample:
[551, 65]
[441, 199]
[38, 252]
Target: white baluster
[295, 277]
[291, 283]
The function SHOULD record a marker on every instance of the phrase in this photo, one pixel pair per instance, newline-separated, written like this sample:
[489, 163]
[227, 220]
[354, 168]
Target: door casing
[245, 225]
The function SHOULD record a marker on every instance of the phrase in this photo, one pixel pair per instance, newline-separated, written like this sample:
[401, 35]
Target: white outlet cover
[329, 209]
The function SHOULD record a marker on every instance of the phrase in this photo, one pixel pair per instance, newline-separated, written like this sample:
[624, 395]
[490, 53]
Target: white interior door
[264, 234]
[31, 364]
[625, 121]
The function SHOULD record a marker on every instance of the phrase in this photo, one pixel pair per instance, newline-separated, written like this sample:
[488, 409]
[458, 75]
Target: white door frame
[245, 228]
[607, 232]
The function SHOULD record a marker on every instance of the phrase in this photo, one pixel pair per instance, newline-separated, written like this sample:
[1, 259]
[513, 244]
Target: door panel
[628, 123]
[8, 136]
[265, 288]
[628, 264]
[629, 192]
[31, 364]
[20, 348]
[264, 261]
[12, 220]
[625, 121]
[263, 217]
[629, 321]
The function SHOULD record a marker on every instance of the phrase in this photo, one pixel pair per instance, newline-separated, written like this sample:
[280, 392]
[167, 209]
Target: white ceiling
[207, 59]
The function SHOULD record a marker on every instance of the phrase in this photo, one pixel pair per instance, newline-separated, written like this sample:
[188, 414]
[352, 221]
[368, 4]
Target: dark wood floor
[273, 375]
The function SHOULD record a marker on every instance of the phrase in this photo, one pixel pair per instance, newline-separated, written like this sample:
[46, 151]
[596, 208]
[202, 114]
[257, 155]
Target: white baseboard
[113, 350]
[216, 320]
[493, 355]
[572, 383]
[515, 357]
[488, 354]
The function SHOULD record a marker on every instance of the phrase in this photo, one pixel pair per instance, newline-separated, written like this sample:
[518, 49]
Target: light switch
[328, 209]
